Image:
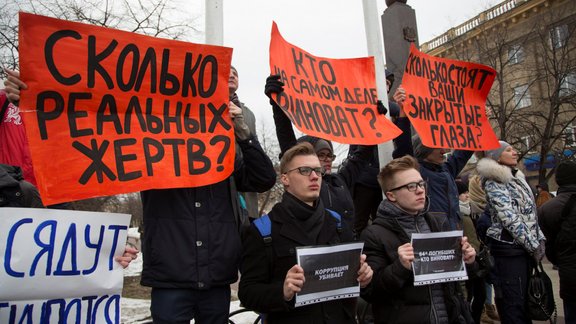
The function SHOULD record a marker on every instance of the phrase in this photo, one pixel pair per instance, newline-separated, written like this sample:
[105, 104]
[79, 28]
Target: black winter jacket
[336, 188]
[261, 283]
[394, 297]
[440, 178]
[15, 191]
[560, 238]
[191, 235]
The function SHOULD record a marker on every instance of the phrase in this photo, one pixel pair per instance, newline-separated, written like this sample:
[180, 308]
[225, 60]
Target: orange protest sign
[446, 101]
[111, 112]
[329, 98]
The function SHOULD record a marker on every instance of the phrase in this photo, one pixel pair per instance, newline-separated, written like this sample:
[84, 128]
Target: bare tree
[532, 102]
[124, 203]
[156, 18]
[269, 142]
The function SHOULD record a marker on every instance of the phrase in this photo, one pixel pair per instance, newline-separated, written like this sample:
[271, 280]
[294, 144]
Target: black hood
[10, 175]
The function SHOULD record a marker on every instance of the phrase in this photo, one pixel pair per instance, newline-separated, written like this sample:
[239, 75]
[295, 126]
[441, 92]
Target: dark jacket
[394, 297]
[335, 192]
[191, 235]
[561, 238]
[442, 190]
[369, 174]
[15, 191]
[261, 283]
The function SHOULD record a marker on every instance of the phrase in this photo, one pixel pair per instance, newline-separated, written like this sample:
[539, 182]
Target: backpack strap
[338, 219]
[264, 226]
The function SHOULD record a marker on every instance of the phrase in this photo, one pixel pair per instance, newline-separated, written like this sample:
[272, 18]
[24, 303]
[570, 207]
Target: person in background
[367, 193]
[250, 198]
[191, 242]
[514, 238]
[15, 191]
[543, 194]
[476, 292]
[336, 186]
[440, 173]
[477, 206]
[270, 280]
[389, 252]
[557, 218]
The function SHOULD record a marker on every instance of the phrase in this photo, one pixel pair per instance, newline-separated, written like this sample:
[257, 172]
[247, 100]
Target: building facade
[532, 46]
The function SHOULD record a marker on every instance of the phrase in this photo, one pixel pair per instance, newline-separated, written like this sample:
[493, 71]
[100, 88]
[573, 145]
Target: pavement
[553, 274]
[137, 311]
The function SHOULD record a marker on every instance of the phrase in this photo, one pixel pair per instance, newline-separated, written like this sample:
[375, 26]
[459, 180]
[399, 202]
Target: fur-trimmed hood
[491, 170]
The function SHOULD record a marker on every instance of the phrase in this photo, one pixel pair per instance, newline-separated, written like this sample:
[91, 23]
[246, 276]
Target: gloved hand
[381, 108]
[273, 85]
[539, 253]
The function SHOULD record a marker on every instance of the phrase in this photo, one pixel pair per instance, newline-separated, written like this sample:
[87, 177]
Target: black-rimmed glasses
[412, 186]
[306, 171]
[326, 157]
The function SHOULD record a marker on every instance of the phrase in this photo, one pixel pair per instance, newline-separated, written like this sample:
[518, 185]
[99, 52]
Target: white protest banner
[438, 258]
[58, 265]
[331, 272]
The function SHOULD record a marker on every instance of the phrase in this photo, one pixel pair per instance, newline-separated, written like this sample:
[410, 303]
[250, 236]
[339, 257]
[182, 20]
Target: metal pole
[376, 49]
[214, 22]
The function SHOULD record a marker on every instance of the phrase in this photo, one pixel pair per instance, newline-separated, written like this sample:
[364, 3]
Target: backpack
[264, 227]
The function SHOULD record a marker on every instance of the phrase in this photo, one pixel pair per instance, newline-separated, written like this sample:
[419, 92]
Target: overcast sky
[327, 28]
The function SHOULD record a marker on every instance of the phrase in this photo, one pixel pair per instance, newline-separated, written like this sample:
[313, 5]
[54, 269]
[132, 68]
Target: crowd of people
[198, 239]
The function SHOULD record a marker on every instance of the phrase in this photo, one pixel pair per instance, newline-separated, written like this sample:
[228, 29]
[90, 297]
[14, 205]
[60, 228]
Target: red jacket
[14, 148]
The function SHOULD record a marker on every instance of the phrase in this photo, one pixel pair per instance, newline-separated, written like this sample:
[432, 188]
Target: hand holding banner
[333, 99]
[59, 265]
[110, 112]
[446, 102]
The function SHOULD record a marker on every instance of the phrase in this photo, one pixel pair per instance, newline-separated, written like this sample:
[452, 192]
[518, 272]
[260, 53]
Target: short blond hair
[400, 164]
[299, 149]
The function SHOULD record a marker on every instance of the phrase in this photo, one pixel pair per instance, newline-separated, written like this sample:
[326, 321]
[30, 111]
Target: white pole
[214, 22]
[376, 49]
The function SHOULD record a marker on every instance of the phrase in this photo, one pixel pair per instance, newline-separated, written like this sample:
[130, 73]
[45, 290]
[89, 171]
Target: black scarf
[309, 219]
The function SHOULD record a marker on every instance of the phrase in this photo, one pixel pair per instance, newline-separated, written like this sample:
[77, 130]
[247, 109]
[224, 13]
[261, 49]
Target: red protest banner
[446, 101]
[329, 98]
[110, 112]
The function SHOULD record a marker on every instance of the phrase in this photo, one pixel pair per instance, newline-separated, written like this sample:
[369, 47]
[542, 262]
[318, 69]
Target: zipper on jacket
[432, 306]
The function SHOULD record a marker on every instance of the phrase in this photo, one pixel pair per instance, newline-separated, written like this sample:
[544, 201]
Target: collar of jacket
[567, 189]
[397, 220]
[431, 166]
[289, 223]
[9, 176]
[491, 170]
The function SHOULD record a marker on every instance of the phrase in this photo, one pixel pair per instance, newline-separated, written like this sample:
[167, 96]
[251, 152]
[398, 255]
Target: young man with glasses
[336, 188]
[270, 274]
[394, 297]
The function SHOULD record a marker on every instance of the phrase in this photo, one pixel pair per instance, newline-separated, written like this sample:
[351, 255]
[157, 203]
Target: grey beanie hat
[495, 153]
[318, 143]
[420, 151]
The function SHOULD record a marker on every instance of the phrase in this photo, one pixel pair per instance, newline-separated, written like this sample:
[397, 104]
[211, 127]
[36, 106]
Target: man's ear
[284, 179]
[390, 196]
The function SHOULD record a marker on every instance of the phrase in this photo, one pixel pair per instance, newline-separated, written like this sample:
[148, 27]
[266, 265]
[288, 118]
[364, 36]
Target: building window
[558, 36]
[522, 97]
[516, 54]
[570, 136]
[568, 85]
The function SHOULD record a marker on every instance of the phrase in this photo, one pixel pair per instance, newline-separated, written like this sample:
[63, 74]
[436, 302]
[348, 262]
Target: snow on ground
[137, 311]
